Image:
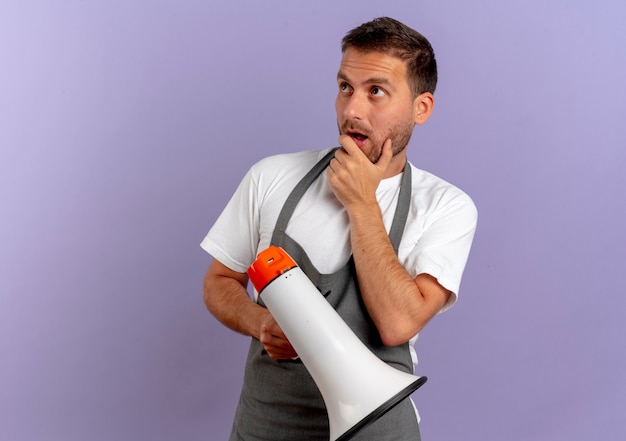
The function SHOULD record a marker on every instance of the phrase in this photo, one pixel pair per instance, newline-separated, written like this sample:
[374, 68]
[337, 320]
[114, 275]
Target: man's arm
[399, 305]
[225, 296]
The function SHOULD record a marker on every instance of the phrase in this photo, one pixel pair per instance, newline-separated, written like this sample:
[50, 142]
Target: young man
[384, 241]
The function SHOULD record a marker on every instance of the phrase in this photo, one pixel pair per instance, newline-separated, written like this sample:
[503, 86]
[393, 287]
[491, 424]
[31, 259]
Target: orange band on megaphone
[271, 263]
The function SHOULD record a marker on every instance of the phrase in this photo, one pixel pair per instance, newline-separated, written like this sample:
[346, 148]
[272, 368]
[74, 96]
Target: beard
[400, 135]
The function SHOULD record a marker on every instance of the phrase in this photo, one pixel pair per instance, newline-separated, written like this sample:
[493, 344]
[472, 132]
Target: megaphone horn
[340, 364]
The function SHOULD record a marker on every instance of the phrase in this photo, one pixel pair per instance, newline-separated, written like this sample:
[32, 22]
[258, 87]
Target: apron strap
[400, 215]
[296, 194]
[402, 209]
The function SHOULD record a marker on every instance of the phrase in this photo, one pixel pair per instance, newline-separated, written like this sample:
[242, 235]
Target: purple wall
[126, 125]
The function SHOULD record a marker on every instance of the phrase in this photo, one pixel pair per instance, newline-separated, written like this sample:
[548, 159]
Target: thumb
[386, 155]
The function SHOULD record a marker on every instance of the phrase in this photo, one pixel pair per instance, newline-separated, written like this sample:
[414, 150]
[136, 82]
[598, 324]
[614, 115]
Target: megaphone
[356, 385]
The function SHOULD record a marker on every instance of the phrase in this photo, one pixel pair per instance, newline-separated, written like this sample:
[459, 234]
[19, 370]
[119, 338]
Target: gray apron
[279, 399]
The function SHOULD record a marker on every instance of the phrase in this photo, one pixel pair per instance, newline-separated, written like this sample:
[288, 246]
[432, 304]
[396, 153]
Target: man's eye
[344, 87]
[377, 91]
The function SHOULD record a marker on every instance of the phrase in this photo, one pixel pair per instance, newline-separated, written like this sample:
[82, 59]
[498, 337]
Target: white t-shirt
[436, 240]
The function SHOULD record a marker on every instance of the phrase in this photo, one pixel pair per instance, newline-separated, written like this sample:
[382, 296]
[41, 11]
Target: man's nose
[355, 107]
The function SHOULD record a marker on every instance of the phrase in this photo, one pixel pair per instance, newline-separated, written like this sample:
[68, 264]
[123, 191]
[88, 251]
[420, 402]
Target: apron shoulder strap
[297, 193]
[402, 209]
[400, 215]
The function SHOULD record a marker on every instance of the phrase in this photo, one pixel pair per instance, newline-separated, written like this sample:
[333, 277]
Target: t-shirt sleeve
[443, 249]
[234, 237]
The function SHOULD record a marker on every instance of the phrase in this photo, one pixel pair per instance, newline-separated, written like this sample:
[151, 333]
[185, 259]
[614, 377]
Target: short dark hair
[394, 38]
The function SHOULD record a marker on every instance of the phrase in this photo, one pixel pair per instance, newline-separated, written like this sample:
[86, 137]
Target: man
[385, 242]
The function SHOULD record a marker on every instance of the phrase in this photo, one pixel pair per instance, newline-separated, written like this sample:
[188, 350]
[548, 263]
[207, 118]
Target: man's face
[374, 102]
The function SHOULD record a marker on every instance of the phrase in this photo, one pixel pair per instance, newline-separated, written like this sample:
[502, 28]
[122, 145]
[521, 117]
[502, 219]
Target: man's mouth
[359, 138]
[358, 132]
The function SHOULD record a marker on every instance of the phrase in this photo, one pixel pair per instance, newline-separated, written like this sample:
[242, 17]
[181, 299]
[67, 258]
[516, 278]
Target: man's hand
[274, 340]
[352, 176]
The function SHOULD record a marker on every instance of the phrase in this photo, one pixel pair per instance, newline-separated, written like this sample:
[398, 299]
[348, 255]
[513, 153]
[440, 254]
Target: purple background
[125, 126]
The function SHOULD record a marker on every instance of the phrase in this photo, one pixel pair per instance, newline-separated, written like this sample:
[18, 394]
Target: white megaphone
[356, 385]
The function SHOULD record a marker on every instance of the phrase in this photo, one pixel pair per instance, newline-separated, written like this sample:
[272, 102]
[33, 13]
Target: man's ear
[423, 106]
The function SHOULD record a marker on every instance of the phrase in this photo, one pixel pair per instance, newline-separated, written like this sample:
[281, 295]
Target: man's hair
[391, 37]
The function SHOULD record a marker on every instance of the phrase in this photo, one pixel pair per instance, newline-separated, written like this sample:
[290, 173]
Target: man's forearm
[227, 299]
[391, 296]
